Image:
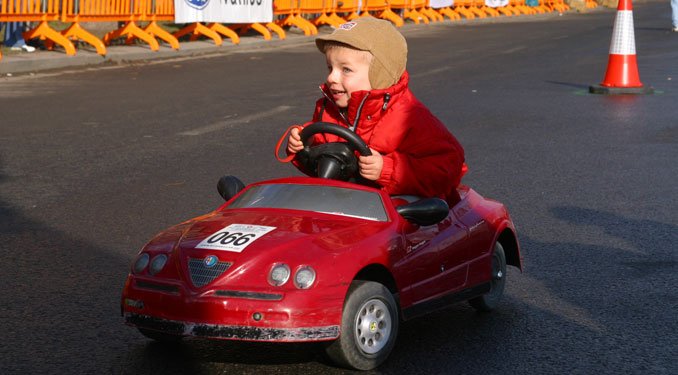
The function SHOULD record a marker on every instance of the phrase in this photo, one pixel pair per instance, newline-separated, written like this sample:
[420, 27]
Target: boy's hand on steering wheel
[371, 166]
[294, 143]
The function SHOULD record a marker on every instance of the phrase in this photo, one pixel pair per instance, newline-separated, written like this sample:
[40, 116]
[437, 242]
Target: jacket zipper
[360, 109]
[335, 105]
[341, 113]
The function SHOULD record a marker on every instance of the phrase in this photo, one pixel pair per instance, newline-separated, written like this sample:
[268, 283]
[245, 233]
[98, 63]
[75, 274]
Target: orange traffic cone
[622, 70]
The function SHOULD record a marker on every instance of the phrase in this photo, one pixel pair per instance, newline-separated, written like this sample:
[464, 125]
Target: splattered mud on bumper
[232, 332]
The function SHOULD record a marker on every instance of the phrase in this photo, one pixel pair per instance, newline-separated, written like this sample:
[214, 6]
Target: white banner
[437, 4]
[223, 11]
[495, 3]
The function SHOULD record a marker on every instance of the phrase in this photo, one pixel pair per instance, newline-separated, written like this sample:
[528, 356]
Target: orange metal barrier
[213, 31]
[560, 5]
[462, 7]
[40, 11]
[307, 15]
[128, 11]
[447, 12]
[76, 11]
[519, 7]
[264, 30]
[288, 14]
[416, 10]
[505, 10]
[422, 6]
[349, 8]
[491, 12]
[381, 9]
[543, 7]
[322, 11]
[469, 7]
[407, 11]
[160, 10]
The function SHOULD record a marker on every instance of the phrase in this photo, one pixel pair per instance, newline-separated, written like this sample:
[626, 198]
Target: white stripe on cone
[623, 41]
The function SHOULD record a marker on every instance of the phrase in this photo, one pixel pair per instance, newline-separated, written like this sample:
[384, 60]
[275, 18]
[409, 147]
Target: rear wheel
[490, 300]
[369, 327]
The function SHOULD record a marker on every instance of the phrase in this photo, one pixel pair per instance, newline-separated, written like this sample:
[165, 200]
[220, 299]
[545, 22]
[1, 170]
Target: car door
[453, 255]
[427, 263]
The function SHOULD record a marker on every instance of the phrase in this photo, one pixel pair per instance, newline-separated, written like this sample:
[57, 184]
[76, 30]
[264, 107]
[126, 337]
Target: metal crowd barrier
[41, 11]
[307, 15]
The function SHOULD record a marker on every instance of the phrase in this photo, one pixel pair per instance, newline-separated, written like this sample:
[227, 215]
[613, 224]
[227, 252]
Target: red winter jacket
[421, 157]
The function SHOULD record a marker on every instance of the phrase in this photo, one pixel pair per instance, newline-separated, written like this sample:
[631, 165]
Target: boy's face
[348, 73]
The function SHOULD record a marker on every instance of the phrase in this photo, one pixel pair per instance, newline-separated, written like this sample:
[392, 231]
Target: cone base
[604, 90]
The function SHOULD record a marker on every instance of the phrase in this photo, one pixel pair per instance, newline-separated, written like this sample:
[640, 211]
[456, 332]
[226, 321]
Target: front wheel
[369, 327]
[490, 300]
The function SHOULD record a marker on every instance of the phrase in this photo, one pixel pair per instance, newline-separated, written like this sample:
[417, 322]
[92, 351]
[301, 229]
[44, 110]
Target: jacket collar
[369, 103]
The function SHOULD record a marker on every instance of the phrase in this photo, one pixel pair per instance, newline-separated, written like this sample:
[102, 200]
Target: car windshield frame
[326, 199]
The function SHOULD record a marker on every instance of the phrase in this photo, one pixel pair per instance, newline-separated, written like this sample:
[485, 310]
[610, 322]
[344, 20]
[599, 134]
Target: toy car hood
[233, 233]
[249, 242]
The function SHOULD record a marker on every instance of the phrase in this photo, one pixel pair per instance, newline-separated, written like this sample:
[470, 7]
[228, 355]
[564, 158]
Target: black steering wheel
[334, 160]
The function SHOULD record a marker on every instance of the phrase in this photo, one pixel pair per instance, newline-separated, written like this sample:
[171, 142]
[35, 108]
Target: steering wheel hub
[336, 160]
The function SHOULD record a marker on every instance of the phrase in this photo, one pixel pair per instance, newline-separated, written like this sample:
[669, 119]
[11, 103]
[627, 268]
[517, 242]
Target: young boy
[367, 91]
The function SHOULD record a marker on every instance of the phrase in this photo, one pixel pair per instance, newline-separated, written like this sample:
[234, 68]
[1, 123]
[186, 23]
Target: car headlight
[279, 274]
[157, 264]
[304, 277]
[141, 263]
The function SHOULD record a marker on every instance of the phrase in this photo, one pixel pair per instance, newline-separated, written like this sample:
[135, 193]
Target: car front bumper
[246, 333]
[282, 316]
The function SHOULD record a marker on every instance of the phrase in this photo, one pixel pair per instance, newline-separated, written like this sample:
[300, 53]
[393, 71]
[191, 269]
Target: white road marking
[516, 49]
[431, 72]
[223, 124]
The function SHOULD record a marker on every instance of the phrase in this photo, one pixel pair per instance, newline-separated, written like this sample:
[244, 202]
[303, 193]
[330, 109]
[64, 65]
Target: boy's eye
[347, 70]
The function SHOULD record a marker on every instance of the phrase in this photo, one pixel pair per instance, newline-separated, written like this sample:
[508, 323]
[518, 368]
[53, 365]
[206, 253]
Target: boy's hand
[294, 144]
[371, 166]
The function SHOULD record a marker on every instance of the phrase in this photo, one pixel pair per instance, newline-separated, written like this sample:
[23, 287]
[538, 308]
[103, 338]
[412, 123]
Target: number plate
[235, 237]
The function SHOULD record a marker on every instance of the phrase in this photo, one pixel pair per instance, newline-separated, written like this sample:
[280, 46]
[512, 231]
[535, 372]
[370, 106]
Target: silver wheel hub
[372, 326]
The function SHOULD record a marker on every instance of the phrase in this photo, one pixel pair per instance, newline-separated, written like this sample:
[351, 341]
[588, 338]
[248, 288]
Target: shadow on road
[211, 357]
[570, 84]
[60, 297]
[584, 292]
[61, 314]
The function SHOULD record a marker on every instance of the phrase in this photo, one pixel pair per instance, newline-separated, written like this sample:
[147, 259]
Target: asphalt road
[94, 163]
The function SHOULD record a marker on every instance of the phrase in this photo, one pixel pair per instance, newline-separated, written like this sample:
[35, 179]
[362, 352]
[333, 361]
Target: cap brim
[340, 38]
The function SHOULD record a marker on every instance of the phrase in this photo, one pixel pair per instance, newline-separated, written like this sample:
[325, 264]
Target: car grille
[202, 275]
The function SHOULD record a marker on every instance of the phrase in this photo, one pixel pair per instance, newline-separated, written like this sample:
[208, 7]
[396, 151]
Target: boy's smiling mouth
[338, 95]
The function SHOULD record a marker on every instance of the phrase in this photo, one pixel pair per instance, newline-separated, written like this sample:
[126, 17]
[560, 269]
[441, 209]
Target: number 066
[235, 238]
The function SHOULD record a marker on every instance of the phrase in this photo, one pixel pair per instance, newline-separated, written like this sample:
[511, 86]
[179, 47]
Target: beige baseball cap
[381, 39]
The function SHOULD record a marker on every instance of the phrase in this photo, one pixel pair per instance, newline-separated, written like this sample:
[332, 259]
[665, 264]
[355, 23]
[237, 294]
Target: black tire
[369, 327]
[165, 338]
[490, 300]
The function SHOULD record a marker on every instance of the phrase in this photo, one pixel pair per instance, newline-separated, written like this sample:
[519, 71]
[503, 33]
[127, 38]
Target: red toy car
[318, 259]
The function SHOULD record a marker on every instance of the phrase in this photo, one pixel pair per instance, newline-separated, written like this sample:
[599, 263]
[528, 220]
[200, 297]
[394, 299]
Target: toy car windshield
[316, 198]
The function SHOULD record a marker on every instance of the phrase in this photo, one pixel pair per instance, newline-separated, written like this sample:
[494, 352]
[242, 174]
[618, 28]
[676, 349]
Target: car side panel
[417, 272]
[483, 218]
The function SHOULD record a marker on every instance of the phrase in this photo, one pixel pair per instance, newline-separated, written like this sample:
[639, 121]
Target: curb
[43, 60]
